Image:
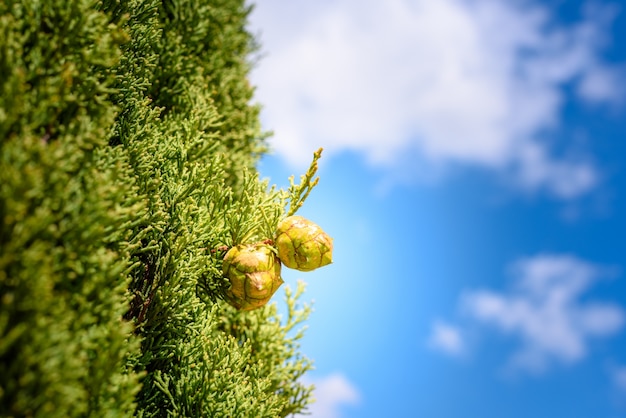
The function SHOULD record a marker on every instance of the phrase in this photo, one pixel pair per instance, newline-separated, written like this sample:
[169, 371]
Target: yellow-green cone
[254, 274]
[303, 245]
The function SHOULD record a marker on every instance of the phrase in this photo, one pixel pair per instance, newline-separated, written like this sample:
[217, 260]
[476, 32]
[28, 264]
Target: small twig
[220, 248]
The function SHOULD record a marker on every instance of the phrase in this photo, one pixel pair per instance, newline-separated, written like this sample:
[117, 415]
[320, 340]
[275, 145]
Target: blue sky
[474, 180]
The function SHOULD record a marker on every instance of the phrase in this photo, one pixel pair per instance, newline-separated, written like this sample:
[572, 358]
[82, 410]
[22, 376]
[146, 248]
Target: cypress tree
[128, 147]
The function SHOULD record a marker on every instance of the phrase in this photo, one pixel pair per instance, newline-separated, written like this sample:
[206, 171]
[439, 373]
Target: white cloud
[446, 338]
[331, 392]
[565, 179]
[471, 81]
[544, 311]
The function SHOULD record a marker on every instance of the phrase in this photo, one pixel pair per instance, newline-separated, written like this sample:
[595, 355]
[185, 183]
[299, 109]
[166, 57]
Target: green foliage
[65, 200]
[229, 363]
[128, 145]
[299, 192]
[192, 138]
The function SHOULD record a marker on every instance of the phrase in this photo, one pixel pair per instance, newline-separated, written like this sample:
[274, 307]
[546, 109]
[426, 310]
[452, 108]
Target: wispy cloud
[446, 338]
[476, 82]
[331, 393]
[619, 377]
[544, 311]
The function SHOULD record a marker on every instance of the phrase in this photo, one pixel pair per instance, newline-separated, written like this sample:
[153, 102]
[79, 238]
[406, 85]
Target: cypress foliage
[128, 152]
[65, 203]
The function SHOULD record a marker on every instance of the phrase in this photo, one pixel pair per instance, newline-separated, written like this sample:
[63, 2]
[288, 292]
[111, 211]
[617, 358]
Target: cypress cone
[254, 274]
[302, 244]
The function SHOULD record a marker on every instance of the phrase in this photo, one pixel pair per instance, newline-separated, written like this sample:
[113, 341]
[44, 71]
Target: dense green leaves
[65, 199]
[128, 145]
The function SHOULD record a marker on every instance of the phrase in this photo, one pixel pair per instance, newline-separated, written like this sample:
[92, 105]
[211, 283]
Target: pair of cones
[254, 269]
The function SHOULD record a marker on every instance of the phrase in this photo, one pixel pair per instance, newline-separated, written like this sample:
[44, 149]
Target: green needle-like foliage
[298, 193]
[66, 199]
[127, 149]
